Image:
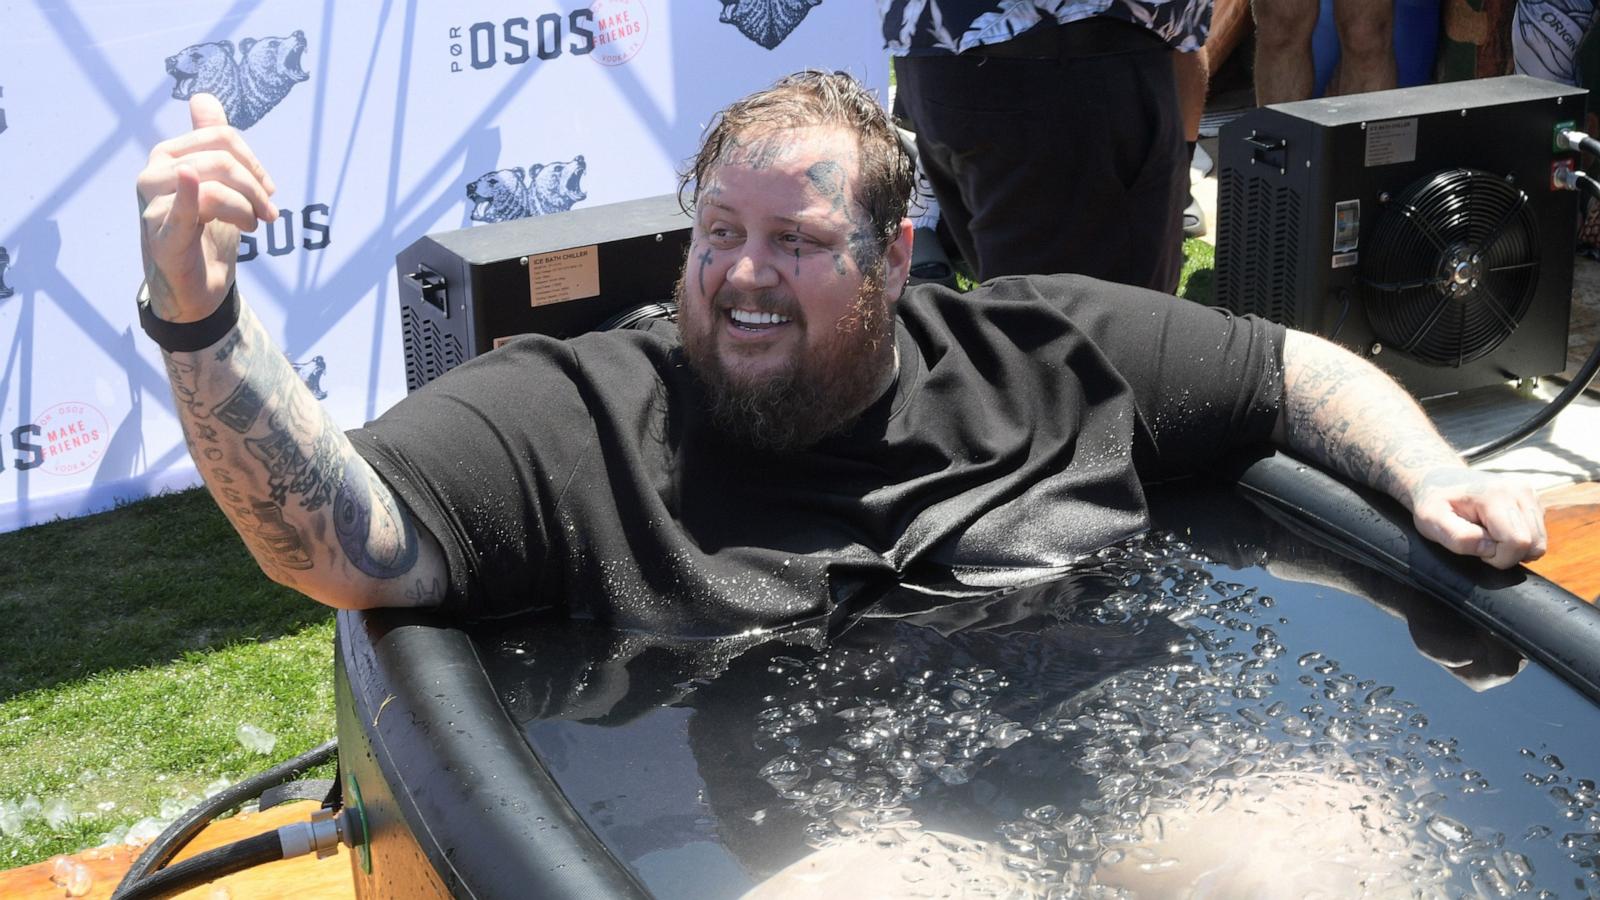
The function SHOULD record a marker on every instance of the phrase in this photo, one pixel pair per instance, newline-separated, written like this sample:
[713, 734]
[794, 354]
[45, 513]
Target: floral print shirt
[943, 27]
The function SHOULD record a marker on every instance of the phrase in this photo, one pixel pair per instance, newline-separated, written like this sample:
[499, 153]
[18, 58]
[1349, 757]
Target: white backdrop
[374, 118]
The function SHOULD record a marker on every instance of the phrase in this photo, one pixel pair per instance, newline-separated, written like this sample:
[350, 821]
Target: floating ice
[1210, 731]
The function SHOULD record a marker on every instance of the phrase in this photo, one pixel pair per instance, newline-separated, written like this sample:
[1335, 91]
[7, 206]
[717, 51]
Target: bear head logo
[499, 195]
[555, 187]
[248, 86]
[505, 194]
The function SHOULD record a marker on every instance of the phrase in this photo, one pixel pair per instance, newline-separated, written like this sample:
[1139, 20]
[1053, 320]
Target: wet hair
[811, 98]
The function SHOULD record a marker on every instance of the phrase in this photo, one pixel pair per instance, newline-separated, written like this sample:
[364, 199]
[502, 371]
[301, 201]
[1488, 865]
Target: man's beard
[816, 396]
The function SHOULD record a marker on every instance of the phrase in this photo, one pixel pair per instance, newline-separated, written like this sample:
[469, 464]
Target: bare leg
[1366, 45]
[1283, 49]
[1191, 73]
[1284, 834]
[1263, 835]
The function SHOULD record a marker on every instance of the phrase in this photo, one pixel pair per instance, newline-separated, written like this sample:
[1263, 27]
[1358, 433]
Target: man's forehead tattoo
[828, 178]
[759, 152]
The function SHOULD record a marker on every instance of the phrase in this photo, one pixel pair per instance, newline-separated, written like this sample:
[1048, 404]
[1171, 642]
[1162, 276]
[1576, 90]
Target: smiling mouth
[751, 320]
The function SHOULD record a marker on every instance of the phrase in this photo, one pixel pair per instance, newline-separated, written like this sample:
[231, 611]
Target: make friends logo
[250, 84]
[767, 22]
[505, 194]
[621, 29]
[74, 438]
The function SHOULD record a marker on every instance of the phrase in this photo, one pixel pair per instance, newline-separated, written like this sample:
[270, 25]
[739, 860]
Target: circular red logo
[620, 28]
[74, 437]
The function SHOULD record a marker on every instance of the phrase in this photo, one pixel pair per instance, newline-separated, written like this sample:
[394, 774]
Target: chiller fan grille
[1450, 269]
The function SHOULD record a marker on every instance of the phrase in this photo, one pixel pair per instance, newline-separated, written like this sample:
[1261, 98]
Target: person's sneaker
[1200, 163]
[1194, 219]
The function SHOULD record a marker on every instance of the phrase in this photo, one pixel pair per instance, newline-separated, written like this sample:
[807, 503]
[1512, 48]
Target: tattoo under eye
[705, 260]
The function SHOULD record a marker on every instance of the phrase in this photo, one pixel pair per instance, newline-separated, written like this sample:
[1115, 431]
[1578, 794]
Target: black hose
[1576, 386]
[1541, 418]
[207, 866]
[183, 830]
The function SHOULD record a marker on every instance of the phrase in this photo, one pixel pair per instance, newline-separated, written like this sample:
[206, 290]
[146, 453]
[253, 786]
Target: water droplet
[1447, 830]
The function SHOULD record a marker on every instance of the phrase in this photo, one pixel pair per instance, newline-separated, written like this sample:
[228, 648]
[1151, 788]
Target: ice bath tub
[1237, 674]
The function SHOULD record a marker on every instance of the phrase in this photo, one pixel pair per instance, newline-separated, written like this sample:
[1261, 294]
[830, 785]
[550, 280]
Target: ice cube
[58, 813]
[145, 830]
[256, 739]
[79, 880]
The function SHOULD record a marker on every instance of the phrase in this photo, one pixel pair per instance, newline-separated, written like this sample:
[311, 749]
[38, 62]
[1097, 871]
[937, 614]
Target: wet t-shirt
[585, 475]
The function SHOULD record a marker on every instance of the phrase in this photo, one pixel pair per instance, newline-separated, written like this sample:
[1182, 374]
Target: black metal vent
[1452, 266]
[429, 351]
[1258, 216]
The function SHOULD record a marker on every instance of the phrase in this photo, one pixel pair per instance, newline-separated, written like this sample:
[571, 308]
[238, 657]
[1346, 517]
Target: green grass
[136, 642]
[1197, 281]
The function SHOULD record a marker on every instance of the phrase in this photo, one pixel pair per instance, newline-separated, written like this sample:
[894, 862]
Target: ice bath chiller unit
[464, 292]
[1421, 228]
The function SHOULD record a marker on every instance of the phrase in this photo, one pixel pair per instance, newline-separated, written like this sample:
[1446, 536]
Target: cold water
[1256, 717]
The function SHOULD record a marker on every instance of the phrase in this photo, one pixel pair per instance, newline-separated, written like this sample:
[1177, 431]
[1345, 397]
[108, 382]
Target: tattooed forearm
[425, 592]
[1344, 413]
[226, 348]
[302, 499]
[309, 473]
[281, 540]
[379, 542]
[240, 409]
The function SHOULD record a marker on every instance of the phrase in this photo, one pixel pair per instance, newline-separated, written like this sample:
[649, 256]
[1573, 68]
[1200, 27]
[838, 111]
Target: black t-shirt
[585, 475]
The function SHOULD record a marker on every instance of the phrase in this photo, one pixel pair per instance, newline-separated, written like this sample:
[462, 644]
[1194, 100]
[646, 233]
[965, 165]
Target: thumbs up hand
[196, 193]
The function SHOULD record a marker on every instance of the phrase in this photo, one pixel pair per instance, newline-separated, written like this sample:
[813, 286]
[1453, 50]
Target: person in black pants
[1052, 145]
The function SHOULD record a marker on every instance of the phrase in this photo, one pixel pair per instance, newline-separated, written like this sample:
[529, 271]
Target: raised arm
[307, 505]
[1343, 412]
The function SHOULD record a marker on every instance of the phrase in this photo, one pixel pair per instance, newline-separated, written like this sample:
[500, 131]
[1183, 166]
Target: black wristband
[187, 337]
